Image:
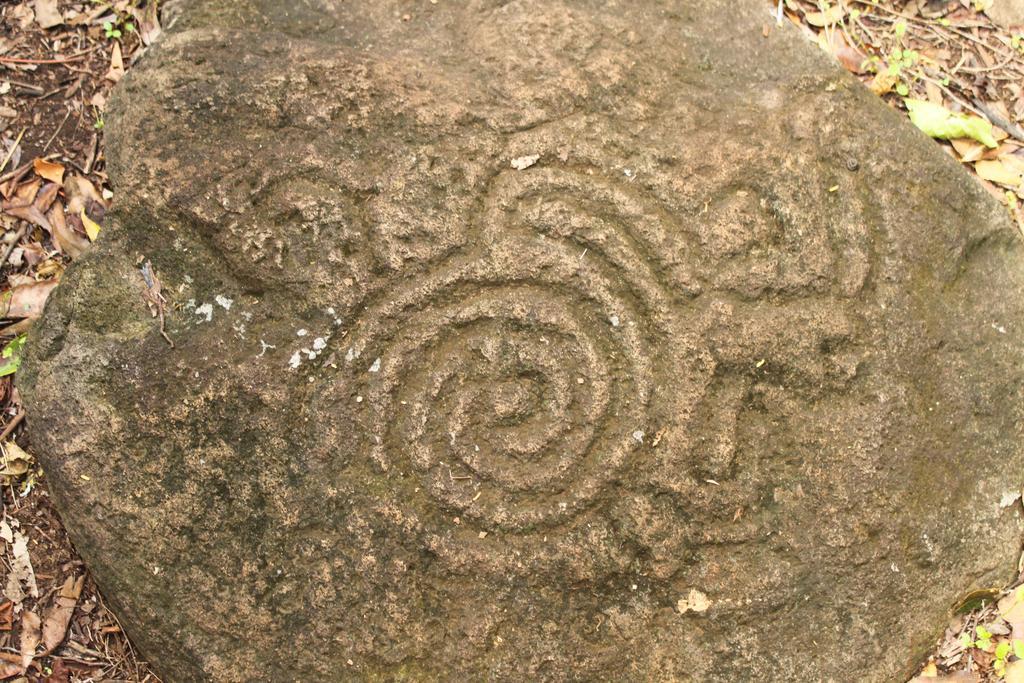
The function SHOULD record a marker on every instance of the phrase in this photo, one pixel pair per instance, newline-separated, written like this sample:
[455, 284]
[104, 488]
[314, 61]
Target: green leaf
[902, 89]
[10, 357]
[1002, 650]
[900, 28]
[965, 640]
[129, 27]
[983, 633]
[1018, 648]
[938, 122]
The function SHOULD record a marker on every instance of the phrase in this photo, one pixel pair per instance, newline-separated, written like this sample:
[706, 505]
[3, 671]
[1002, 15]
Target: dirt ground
[58, 61]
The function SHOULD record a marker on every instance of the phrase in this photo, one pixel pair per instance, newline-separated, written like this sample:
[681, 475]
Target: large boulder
[530, 340]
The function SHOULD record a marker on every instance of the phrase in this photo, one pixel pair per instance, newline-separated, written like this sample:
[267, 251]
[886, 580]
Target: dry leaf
[883, 82]
[968, 149]
[46, 196]
[79, 192]
[29, 638]
[994, 171]
[16, 461]
[50, 170]
[21, 567]
[55, 625]
[833, 15]
[116, 71]
[47, 14]
[26, 301]
[92, 228]
[7, 616]
[67, 240]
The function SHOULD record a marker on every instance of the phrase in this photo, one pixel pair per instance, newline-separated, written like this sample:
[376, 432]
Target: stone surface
[724, 385]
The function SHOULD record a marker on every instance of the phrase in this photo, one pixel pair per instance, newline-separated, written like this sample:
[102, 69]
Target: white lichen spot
[523, 163]
[263, 348]
[614, 320]
[351, 354]
[319, 344]
[223, 302]
[309, 354]
[359, 399]
[302, 332]
[639, 436]
[1009, 498]
[331, 312]
[205, 311]
[376, 366]
[295, 361]
[694, 601]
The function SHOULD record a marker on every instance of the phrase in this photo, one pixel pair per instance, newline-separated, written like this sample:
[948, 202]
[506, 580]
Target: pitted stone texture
[433, 417]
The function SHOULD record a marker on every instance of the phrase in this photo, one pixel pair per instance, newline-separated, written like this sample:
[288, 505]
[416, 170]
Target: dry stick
[993, 116]
[12, 244]
[25, 86]
[21, 169]
[12, 424]
[10, 152]
[78, 56]
[950, 94]
[59, 128]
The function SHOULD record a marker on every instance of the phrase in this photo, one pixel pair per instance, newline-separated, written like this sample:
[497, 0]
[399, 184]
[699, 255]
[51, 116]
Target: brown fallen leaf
[55, 625]
[47, 13]
[68, 241]
[833, 15]
[21, 570]
[15, 462]
[30, 635]
[50, 170]
[26, 301]
[116, 71]
[44, 200]
[6, 616]
[80, 192]
[995, 171]
[968, 149]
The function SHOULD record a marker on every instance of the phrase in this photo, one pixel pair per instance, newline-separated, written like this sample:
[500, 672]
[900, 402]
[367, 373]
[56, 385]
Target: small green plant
[981, 641]
[99, 123]
[898, 61]
[112, 29]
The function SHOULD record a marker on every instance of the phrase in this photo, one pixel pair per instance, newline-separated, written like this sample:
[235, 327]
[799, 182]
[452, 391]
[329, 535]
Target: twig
[59, 60]
[993, 116]
[25, 86]
[10, 152]
[12, 424]
[21, 169]
[59, 128]
[12, 244]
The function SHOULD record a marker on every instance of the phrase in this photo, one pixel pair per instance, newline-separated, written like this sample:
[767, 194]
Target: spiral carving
[515, 382]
